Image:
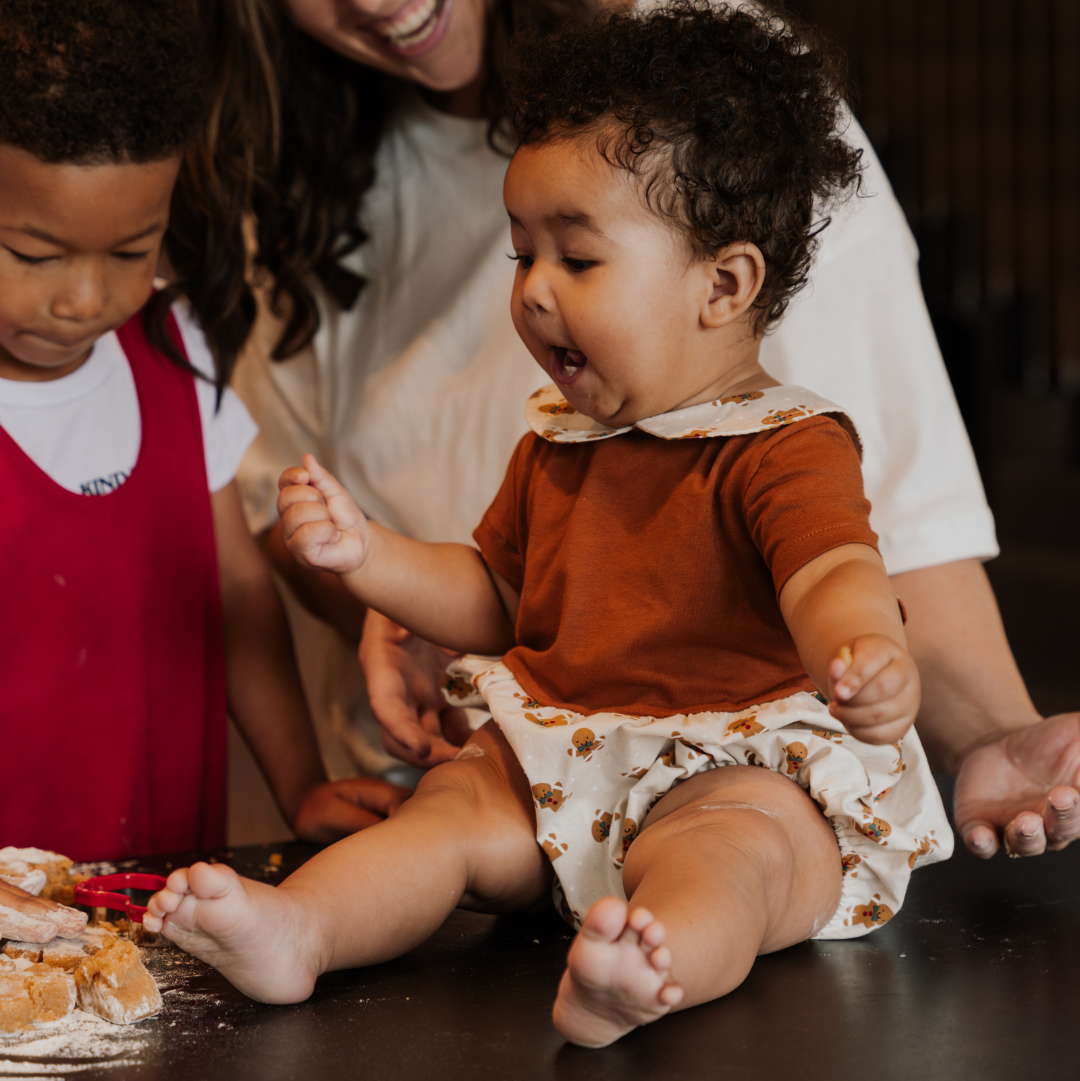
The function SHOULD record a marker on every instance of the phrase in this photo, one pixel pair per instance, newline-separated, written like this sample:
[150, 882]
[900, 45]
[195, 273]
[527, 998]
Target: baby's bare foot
[252, 933]
[617, 976]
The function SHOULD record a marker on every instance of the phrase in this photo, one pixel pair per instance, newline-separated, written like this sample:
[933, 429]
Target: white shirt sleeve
[859, 333]
[227, 431]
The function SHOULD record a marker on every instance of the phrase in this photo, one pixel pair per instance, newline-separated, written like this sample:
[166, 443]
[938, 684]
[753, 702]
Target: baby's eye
[130, 256]
[577, 265]
[525, 261]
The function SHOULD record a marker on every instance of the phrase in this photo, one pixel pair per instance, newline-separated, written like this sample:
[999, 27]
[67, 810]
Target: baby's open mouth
[413, 28]
[568, 363]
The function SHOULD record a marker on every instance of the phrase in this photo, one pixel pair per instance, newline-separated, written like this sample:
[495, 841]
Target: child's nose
[82, 296]
[536, 292]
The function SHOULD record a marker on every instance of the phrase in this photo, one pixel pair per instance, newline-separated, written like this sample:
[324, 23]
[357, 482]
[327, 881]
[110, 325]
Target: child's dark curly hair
[91, 81]
[730, 117]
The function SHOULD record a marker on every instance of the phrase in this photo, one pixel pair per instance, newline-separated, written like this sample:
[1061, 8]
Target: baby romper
[650, 644]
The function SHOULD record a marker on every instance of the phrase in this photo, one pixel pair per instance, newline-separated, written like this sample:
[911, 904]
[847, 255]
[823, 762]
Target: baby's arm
[842, 612]
[444, 593]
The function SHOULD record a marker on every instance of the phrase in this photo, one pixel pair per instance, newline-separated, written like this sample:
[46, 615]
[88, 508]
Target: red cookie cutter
[94, 892]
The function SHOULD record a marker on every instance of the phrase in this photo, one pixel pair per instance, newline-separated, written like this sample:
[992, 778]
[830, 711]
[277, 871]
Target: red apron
[112, 679]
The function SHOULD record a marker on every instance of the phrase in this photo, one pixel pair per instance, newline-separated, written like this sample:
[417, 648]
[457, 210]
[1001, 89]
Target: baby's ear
[735, 277]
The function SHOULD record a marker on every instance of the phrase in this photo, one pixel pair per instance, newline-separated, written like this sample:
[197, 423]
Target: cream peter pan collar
[553, 418]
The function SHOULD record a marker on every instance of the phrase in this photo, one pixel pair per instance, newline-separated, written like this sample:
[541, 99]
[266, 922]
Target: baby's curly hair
[90, 81]
[729, 117]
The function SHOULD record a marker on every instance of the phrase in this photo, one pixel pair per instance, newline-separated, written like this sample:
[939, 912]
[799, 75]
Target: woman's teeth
[414, 26]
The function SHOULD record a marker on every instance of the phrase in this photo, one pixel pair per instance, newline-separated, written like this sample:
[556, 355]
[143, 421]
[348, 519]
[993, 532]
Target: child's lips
[568, 365]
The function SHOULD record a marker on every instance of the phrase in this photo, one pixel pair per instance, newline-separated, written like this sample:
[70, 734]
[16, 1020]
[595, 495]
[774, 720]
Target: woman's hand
[336, 809]
[320, 522]
[1022, 786]
[404, 679]
[875, 689]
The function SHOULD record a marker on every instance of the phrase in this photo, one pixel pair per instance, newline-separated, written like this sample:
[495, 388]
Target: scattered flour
[83, 1041]
[64, 1047]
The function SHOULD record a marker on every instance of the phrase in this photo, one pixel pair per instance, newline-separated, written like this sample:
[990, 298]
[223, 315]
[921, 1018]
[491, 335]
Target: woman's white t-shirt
[84, 430]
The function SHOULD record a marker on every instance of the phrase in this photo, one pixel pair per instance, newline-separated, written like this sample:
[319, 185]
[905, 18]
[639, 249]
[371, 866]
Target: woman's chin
[451, 59]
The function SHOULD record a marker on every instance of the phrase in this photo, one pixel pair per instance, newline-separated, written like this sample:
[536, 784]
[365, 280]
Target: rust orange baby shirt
[649, 569]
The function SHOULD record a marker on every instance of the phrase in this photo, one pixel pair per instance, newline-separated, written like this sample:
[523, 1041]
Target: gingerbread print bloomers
[595, 775]
[595, 778]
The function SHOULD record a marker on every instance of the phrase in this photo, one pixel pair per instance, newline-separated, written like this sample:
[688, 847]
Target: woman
[381, 229]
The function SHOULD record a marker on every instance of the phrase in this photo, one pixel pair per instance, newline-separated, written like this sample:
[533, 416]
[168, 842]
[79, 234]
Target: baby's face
[608, 296]
[79, 247]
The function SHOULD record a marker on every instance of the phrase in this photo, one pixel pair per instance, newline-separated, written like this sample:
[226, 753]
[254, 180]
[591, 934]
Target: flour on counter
[76, 1043]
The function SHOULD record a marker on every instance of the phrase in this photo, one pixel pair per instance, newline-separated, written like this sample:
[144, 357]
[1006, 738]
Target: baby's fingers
[343, 508]
[294, 475]
[852, 669]
[886, 706]
[870, 724]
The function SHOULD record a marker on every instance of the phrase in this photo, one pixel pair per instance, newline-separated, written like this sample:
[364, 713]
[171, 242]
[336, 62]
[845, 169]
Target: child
[132, 593]
[678, 564]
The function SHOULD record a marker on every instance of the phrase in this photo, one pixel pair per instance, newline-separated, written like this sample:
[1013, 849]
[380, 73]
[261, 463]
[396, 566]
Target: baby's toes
[653, 934]
[162, 904]
[177, 882]
[660, 959]
[209, 881]
[606, 920]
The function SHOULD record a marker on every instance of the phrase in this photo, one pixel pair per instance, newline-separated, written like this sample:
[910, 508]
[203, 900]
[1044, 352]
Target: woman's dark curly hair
[728, 117]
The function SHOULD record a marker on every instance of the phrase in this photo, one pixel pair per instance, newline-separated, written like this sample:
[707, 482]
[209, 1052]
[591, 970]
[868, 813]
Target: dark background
[974, 108]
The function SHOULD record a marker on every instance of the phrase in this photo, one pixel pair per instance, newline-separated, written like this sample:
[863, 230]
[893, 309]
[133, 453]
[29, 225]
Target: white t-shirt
[84, 430]
[416, 397]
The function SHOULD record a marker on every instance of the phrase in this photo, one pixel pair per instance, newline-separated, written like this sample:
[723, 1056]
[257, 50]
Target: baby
[677, 575]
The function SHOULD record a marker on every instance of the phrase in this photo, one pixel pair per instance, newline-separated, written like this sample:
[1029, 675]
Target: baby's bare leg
[733, 863]
[467, 837]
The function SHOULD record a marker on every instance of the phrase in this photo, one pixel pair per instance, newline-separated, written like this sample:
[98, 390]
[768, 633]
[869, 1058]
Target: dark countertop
[978, 977]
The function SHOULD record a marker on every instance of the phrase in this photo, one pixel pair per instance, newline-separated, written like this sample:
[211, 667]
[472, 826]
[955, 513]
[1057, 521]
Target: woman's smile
[414, 29]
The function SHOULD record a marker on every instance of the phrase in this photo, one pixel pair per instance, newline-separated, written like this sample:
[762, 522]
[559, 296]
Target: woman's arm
[842, 613]
[266, 700]
[442, 592]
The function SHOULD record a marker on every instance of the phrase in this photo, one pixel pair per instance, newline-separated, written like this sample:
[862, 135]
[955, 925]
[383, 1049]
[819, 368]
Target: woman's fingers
[1061, 817]
[404, 677]
[1025, 836]
[338, 808]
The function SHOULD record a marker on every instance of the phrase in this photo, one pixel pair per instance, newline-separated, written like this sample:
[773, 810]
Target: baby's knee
[485, 779]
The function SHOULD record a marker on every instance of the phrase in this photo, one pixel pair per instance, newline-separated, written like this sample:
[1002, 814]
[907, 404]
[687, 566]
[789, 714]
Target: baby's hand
[320, 523]
[875, 689]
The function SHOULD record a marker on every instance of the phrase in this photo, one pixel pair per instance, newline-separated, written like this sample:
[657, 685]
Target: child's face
[608, 297]
[79, 247]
